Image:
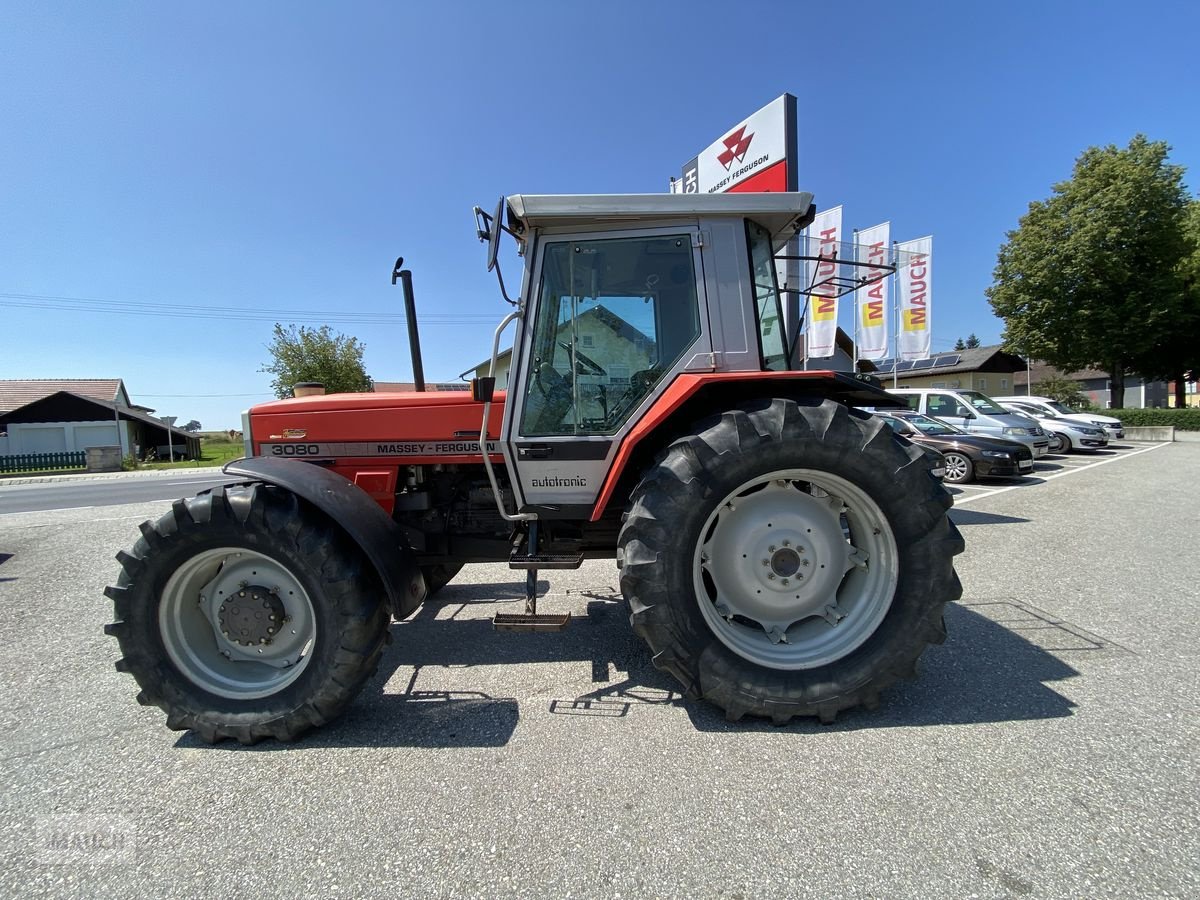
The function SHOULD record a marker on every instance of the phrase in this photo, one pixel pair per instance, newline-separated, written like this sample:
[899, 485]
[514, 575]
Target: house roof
[979, 359]
[1040, 371]
[15, 393]
[111, 408]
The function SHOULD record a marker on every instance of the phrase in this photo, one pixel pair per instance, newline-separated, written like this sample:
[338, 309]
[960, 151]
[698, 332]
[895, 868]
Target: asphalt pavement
[1049, 748]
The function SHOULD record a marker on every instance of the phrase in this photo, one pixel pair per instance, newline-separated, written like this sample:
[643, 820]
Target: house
[1096, 386]
[60, 415]
[989, 370]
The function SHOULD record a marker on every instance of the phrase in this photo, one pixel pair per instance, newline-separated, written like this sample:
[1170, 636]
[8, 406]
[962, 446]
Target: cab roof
[782, 214]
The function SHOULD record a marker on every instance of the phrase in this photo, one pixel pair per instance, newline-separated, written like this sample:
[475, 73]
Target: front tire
[791, 558]
[959, 468]
[1062, 443]
[244, 613]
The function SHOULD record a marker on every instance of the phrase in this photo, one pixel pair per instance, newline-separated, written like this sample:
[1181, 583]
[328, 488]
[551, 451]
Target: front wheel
[1059, 442]
[243, 613]
[791, 558]
[959, 468]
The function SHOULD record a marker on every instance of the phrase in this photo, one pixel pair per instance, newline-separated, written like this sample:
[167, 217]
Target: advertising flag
[916, 292]
[824, 239]
[872, 300]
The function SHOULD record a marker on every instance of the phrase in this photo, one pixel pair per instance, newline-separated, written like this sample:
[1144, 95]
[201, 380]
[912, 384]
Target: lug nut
[771, 549]
[771, 576]
[766, 562]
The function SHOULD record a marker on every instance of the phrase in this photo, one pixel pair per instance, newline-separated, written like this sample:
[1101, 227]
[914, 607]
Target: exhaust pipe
[410, 314]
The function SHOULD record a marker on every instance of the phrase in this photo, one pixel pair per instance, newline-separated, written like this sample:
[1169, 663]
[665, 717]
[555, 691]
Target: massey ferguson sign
[757, 154]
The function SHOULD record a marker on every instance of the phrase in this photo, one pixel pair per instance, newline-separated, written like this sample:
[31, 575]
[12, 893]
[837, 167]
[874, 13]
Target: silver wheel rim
[211, 594]
[795, 569]
[956, 467]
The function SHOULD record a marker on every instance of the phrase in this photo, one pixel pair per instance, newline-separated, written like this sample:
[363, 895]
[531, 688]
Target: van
[976, 413]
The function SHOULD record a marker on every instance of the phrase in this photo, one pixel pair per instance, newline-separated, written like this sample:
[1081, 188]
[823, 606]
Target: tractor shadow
[999, 664]
[5, 557]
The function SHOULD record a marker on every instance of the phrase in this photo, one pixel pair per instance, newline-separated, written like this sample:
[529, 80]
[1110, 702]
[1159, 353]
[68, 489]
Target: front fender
[360, 517]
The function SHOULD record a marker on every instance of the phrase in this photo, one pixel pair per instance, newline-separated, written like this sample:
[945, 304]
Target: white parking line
[1071, 470]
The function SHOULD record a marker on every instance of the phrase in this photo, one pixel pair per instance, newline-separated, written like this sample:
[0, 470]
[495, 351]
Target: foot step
[527, 622]
[546, 561]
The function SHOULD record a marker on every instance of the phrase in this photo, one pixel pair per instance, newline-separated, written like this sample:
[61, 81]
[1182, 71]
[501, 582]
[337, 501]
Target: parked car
[1111, 425]
[976, 413]
[1065, 434]
[967, 455]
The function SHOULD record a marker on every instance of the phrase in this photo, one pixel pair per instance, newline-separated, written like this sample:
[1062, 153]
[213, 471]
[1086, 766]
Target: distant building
[46, 415]
[1097, 387]
[989, 370]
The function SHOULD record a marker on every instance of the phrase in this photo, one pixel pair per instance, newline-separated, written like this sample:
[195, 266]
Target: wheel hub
[795, 568]
[252, 616]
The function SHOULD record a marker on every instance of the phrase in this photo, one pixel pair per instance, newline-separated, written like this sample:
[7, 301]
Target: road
[84, 493]
[1049, 748]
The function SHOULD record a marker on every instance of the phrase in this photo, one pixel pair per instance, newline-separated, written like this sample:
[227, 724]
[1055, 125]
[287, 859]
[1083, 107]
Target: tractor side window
[613, 317]
[767, 308]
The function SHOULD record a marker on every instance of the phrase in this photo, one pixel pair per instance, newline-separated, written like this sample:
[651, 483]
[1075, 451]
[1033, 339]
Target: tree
[1177, 357]
[1091, 277]
[192, 426]
[959, 345]
[972, 341]
[1062, 389]
[315, 354]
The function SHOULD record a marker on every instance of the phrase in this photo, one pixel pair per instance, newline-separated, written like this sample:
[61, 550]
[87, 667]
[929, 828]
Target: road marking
[1070, 471]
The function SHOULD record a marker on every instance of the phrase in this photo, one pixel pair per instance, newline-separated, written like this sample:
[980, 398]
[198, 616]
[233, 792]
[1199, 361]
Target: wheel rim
[957, 467]
[795, 569]
[237, 623]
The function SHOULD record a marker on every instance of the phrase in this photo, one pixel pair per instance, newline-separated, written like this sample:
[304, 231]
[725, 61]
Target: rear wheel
[959, 467]
[791, 558]
[243, 613]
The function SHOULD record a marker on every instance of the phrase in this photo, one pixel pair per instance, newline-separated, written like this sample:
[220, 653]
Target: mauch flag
[916, 283]
[873, 299]
[824, 239]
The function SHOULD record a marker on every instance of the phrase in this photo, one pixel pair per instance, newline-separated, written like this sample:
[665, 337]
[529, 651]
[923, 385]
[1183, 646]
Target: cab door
[613, 318]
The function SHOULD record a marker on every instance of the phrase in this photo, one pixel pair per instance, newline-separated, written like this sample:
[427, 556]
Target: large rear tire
[244, 613]
[789, 558]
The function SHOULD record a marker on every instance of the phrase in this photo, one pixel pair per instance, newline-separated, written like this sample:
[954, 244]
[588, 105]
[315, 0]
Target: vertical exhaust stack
[410, 313]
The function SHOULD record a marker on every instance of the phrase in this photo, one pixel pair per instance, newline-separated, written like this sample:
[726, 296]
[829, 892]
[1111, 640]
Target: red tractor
[783, 553]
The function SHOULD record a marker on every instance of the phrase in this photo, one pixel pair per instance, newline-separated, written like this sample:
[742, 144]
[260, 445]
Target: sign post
[169, 421]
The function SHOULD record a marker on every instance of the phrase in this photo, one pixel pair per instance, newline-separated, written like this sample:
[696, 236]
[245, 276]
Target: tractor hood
[383, 419]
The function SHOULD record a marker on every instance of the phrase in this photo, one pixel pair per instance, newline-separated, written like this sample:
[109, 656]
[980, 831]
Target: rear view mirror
[483, 389]
[494, 235]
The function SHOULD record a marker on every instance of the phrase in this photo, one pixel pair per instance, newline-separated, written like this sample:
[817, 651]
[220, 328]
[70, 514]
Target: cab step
[545, 561]
[530, 622]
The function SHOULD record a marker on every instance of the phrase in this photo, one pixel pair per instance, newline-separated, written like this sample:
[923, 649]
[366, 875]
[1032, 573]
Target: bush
[1183, 419]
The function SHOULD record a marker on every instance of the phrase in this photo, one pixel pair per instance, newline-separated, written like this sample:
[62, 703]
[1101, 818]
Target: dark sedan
[967, 455]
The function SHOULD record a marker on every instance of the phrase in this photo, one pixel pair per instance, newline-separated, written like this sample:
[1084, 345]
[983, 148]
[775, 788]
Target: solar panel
[904, 366]
[942, 361]
[922, 364]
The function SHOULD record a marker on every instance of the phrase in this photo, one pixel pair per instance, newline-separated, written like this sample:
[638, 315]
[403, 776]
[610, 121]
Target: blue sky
[279, 156]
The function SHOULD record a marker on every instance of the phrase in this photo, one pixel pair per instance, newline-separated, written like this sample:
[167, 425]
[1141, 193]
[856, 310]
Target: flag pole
[896, 314]
[857, 316]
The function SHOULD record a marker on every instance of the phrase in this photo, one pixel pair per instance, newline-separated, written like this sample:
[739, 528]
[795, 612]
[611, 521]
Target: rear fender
[356, 514]
[691, 397]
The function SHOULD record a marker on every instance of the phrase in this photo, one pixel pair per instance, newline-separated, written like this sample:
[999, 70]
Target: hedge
[1183, 419]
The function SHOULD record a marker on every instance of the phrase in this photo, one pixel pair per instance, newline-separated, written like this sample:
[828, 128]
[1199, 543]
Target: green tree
[1091, 277]
[1177, 357]
[192, 426]
[972, 341]
[315, 354]
[1062, 389]
[960, 345]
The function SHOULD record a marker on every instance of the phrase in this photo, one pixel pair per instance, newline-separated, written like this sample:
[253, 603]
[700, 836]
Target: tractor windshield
[613, 317]
[767, 308]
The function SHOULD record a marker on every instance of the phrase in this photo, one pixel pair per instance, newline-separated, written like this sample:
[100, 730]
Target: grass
[214, 451]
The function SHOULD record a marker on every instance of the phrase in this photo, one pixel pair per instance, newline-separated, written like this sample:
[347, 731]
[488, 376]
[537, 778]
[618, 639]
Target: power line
[231, 313]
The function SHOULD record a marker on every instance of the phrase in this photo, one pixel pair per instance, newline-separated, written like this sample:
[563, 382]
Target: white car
[1044, 405]
[1065, 434]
